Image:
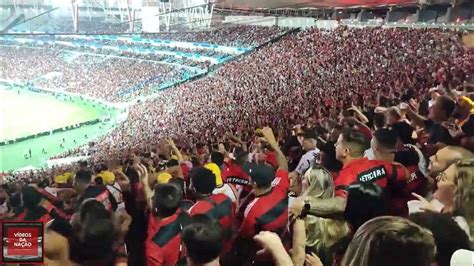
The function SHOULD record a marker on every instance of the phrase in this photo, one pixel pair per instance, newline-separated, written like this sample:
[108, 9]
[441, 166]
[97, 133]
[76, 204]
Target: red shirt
[163, 243]
[413, 160]
[391, 177]
[219, 207]
[47, 213]
[50, 197]
[235, 175]
[268, 212]
[42, 218]
[185, 169]
[271, 158]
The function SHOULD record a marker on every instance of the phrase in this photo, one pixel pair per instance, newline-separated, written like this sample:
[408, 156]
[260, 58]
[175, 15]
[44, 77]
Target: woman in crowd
[390, 241]
[453, 194]
[465, 193]
[321, 233]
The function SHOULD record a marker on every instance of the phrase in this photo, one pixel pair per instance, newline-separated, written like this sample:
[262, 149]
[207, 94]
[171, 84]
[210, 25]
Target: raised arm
[270, 137]
[175, 149]
[123, 180]
[414, 117]
[144, 178]
[361, 117]
[238, 141]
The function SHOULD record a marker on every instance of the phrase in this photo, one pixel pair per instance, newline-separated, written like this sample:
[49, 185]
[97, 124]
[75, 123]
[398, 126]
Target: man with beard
[445, 157]
[463, 128]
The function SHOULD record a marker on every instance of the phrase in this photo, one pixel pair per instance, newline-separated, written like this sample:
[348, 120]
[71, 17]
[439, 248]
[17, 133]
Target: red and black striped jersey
[268, 212]
[391, 177]
[219, 207]
[412, 158]
[163, 245]
[363, 170]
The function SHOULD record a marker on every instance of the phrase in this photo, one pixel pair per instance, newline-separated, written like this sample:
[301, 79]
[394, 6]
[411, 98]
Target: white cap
[462, 257]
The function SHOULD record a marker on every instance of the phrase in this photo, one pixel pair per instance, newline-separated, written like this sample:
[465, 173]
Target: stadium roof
[296, 4]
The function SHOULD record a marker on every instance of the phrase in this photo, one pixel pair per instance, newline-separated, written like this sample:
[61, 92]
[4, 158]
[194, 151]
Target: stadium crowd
[369, 162]
[241, 35]
[313, 75]
[126, 74]
[162, 47]
[61, 24]
[95, 45]
[104, 77]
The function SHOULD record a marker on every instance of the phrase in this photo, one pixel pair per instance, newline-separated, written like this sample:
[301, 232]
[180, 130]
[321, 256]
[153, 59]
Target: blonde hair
[465, 191]
[320, 232]
[390, 240]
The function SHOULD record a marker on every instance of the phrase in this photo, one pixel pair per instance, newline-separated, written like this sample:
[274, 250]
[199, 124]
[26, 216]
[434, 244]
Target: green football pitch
[25, 113]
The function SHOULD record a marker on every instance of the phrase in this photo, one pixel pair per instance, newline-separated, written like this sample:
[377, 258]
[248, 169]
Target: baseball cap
[63, 178]
[163, 178]
[216, 171]
[463, 100]
[107, 177]
[261, 174]
[404, 132]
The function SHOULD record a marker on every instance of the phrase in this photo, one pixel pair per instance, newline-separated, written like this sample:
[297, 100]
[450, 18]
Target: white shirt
[116, 191]
[228, 190]
[369, 154]
[309, 159]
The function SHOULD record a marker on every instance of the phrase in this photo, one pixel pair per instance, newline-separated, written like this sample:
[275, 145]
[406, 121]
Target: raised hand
[425, 204]
[170, 142]
[268, 135]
